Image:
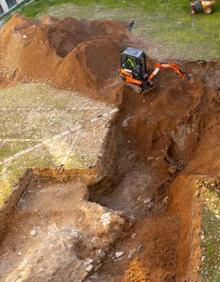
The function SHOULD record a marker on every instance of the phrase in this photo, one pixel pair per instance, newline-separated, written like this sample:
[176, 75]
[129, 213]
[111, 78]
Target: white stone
[147, 200]
[125, 122]
[165, 200]
[33, 232]
[131, 254]
[106, 219]
[89, 267]
[119, 254]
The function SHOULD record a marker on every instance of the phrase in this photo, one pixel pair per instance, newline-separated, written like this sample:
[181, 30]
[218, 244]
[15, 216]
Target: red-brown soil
[69, 54]
[171, 135]
[158, 145]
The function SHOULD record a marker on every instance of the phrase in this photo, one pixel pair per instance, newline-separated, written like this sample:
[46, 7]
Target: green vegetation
[35, 115]
[211, 244]
[168, 23]
[211, 231]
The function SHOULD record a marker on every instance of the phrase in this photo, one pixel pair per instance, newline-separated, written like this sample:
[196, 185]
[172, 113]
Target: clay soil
[170, 136]
[158, 145]
[79, 55]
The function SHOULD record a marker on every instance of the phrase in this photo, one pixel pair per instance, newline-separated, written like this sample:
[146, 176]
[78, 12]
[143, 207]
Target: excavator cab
[133, 67]
[134, 61]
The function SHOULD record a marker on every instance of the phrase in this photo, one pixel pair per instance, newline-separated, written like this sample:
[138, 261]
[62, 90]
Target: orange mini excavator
[134, 70]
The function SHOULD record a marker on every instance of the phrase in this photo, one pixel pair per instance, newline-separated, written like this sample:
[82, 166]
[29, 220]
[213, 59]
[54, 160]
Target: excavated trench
[150, 155]
[156, 147]
[152, 142]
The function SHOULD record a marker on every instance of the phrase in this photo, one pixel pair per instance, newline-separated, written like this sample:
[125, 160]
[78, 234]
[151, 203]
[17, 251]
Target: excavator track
[134, 87]
[138, 89]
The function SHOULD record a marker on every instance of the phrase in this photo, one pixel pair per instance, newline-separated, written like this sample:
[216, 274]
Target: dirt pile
[70, 54]
[157, 148]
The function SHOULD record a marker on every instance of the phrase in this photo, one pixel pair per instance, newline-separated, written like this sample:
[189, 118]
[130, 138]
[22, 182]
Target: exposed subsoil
[50, 236]
[171, 134]
[157, 147]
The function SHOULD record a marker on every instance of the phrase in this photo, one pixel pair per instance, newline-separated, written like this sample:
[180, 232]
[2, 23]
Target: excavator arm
[160, 66]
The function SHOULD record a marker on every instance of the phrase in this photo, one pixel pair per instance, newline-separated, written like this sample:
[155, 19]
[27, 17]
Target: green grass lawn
[166, 23]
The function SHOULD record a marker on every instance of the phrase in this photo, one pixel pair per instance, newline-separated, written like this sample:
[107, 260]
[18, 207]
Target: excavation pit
[155, 149]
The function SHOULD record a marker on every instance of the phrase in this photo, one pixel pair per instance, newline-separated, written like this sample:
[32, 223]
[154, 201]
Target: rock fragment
[119, 255]
[33, 232]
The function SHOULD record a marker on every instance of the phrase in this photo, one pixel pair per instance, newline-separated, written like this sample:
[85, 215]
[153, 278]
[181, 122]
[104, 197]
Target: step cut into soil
[158, 148]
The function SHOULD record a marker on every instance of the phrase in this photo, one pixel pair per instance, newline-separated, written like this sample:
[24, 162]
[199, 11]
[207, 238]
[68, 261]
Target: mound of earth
[159, 147]
[70, 54]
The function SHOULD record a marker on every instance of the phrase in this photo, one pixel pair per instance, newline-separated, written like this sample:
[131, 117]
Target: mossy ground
[33, 113]
[210, 270]
[168, 23]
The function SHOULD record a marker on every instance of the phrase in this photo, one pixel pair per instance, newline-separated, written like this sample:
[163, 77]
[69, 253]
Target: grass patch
[210, 268]
[168, 23]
